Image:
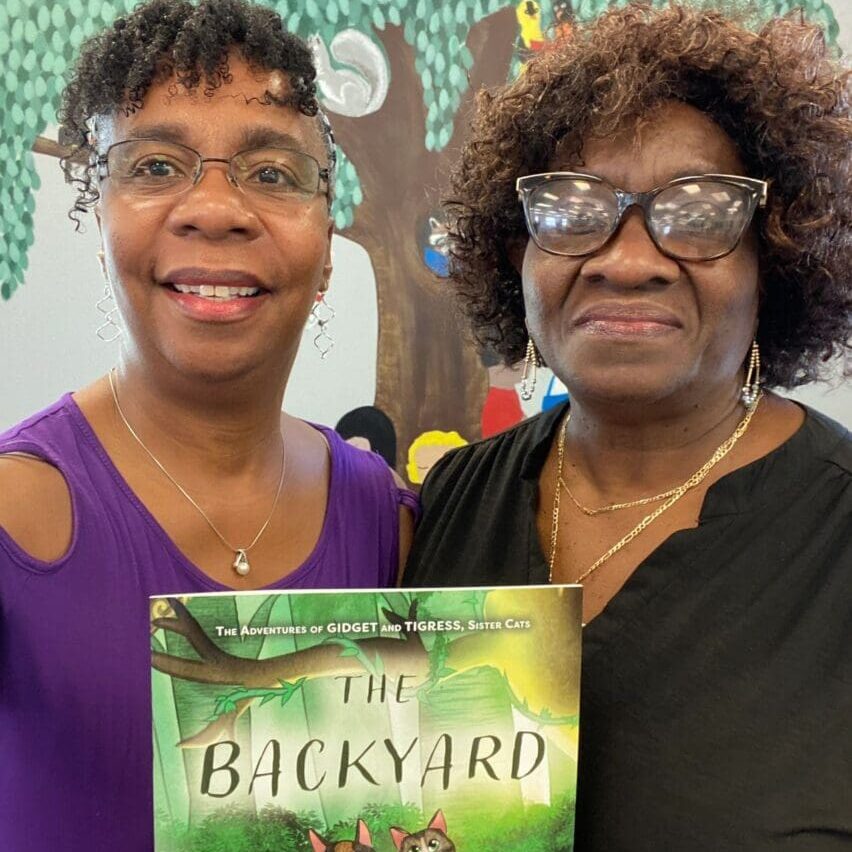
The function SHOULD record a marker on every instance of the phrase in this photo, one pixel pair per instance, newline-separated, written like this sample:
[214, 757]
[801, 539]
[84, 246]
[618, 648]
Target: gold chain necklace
[614, 507]
[241, 562]
[671, 497]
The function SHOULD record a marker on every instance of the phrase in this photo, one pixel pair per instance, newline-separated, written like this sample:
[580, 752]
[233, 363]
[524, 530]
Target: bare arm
[406, 530]
[35, 506]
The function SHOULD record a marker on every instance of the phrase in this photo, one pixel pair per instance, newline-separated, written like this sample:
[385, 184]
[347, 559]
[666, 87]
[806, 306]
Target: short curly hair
[778, 93]
[161, 38]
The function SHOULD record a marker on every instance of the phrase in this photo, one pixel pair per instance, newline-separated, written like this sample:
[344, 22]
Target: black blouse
[716, 708]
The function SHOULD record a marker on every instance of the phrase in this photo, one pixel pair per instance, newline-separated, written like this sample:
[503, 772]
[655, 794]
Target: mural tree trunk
[428, 375]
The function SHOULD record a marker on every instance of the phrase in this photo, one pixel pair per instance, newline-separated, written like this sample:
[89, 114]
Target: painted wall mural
[397, 77]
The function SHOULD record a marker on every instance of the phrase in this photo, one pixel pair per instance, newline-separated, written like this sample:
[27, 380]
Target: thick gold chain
[672, 497]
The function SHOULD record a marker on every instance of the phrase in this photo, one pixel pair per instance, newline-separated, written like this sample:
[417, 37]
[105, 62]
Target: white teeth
[217, 291]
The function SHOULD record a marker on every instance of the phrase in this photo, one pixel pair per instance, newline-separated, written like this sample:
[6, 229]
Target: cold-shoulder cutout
[36, 510]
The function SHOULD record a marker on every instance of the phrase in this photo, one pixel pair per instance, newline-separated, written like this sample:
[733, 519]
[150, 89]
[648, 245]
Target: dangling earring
[751, 388]
[109, 330]
[321, 315]
[530, 374]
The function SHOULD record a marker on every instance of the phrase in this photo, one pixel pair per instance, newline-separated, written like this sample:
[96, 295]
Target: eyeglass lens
[695, 220]
[150, 168]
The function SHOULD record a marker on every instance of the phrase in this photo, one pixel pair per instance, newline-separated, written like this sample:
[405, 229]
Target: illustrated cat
[362, 843]
[433, 838]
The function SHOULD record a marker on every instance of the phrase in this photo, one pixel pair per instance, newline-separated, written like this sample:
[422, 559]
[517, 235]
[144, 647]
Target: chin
[615, 374]
[631, 385]
[208, 365]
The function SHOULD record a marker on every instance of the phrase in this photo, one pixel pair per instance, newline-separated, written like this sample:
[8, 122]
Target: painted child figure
[433, 838]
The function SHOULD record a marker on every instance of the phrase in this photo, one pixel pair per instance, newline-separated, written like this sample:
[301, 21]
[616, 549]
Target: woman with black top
[659, 209]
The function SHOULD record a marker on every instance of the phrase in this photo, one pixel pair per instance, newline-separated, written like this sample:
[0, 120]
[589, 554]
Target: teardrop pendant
[241, 563]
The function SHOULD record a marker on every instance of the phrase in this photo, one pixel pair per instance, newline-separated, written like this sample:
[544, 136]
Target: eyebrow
[259, 136]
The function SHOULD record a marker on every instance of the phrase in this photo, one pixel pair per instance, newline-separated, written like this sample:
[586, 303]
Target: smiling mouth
[628, 318]
[627, 327]
[212, 284]
[215, 291]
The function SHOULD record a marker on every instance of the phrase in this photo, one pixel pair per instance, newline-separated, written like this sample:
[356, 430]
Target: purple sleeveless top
[75, 725]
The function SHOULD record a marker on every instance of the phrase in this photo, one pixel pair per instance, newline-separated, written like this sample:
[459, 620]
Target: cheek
[299, 246]
[727, 312]
[746, 260]
[535, 291]
[546, 284]
[733, 291]
[128, 234]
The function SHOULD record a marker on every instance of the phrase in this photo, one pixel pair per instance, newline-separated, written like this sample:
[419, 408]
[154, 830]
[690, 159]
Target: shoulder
[482, 486]
[35, 499]
[809, 507]
[492, 462]
[829, 442]
[35, 506]
[477, 509]
[363, 478]
[374, 498]
[357, 468]
[805, 487]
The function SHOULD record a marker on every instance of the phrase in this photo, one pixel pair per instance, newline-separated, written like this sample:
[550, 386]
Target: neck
[228, 427]
[623, 451]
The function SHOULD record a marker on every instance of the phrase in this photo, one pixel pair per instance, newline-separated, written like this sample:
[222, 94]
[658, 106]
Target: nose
[214, 209]
[630, 258]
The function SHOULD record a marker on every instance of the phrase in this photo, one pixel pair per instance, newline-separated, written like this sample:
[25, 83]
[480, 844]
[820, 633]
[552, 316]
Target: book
[366, 721]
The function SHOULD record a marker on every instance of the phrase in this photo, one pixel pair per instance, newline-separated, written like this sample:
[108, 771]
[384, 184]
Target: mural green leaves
[347, 192]
[39, 39]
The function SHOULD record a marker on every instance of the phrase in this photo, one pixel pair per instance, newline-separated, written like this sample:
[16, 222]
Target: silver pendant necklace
[241, 562]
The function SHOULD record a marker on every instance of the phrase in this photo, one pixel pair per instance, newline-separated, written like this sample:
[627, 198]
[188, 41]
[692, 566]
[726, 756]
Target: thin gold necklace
[614, 507]
[721, 451]
[241, 562]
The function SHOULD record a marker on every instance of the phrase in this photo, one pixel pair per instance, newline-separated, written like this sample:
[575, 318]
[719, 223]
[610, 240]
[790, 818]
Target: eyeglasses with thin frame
[700, 217]
[152, 168]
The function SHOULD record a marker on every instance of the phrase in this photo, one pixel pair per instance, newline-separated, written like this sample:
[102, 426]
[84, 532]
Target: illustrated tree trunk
[428, 375]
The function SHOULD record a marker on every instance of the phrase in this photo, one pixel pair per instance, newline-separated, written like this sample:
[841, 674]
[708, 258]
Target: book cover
[366, 721]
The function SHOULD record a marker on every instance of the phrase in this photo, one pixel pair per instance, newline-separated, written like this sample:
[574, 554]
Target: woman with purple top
[210, 170]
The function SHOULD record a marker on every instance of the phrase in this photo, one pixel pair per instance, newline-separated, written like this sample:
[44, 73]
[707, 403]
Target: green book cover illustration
[366, 721]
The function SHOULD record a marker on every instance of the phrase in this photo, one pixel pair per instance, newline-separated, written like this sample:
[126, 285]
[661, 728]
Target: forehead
[673, 140]
[237, 115]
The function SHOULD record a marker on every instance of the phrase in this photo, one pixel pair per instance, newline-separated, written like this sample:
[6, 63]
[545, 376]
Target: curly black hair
[162, 38]
[778, 93]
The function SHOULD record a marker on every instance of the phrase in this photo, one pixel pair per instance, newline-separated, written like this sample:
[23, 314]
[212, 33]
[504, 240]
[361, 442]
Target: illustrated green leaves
[227, 703]
[351, 648]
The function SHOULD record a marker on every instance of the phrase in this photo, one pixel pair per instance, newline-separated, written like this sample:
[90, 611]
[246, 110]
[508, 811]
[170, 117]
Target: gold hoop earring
[751, 387]
[532, 360]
